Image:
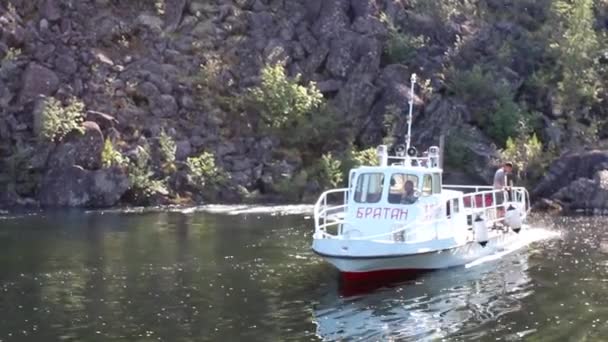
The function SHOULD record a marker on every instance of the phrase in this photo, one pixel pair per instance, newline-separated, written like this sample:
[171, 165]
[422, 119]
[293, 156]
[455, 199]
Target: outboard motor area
[513, 218]
[481, 231]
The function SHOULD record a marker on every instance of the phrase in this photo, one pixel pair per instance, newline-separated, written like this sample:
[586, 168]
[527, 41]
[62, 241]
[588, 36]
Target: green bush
[167, 149]
[577, 46]
[400, 47]
[141, 177]
[456, 155]
[367, 157]
[490, 101]
[505, 121]
[110, 156]
[526, 153]
[280, 100]
[58, 121]
[330, 174]
[474, 86]
[204, 172]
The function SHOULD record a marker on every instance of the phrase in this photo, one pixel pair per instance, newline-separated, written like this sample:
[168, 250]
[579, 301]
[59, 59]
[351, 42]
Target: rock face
[577, 181]
[38, 80]
[136, 65]
[76, 187]
[81, 149]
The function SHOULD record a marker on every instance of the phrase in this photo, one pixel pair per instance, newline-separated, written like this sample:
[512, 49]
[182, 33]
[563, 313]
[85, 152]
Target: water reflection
[433, 306]
[170, 276]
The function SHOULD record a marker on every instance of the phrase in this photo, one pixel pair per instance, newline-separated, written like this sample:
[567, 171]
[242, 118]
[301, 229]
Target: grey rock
[568, 168]
[204, 29]
[330, 85]
[51, 10]
[79, 149]
[276, 52]
[40, 156]
[316, 59]
[186, 102]
[370, 26]
[165, 106]
[151, 22]
[173, 13]
[364, 8]
[66, 64]
[161, 83]
[352, 49]
[76, 187]
[5, 96]
[37, 80]
[44, 52]
[585, 194]
[261, 21]
[44, 25]
[240, 164]
[183, 150]
[105, 121]
[148, 91]
[333, 19]
[225, 149]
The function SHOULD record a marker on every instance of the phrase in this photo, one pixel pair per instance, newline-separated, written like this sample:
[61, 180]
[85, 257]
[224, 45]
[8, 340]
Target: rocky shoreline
[159, 94]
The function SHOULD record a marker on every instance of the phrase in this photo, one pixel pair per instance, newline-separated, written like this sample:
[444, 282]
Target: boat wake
[280, 210]
[436, 305]
[300, 209]
[526, 237]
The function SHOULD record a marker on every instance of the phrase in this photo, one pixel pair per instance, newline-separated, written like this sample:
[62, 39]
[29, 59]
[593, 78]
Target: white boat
[398, 216]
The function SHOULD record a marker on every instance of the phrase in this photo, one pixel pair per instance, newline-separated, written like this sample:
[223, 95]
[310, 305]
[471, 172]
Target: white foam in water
[257, 209]
[525, 237]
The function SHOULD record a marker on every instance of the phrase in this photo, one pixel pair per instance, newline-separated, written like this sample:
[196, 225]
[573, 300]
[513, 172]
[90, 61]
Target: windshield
[404, 189]
[369, 188]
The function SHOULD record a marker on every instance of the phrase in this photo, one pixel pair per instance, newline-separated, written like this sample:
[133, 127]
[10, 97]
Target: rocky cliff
[158, 75]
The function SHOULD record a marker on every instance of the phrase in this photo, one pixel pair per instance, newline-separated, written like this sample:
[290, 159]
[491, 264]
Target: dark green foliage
[456, 154]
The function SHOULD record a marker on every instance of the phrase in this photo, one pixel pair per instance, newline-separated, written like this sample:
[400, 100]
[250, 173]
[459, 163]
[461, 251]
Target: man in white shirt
[500, 177]
[500, 183]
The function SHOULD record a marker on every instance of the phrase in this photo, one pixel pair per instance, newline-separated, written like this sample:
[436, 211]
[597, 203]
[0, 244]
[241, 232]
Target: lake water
[200, 276]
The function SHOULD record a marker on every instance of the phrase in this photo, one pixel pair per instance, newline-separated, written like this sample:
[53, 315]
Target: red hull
[354, 283]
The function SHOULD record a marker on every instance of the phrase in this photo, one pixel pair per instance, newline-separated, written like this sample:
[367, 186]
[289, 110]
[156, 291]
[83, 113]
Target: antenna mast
[409, 117]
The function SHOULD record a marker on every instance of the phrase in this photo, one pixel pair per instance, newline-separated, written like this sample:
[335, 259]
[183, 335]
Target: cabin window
[427, 185]
[456, 206]
[436, 183]
[397, 191]
[369, 188]
[448, 210]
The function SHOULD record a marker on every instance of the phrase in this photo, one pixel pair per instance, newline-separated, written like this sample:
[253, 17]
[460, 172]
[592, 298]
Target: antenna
[409, 116]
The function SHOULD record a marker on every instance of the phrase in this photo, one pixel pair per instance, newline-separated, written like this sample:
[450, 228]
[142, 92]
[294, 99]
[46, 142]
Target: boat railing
[483, 201]
[328, 208]
[479, 198]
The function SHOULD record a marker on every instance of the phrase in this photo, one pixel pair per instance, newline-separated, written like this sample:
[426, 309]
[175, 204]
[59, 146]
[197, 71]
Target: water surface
[201, 276]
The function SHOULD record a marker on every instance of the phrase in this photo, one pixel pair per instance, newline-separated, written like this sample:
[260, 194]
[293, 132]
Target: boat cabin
[386, 196]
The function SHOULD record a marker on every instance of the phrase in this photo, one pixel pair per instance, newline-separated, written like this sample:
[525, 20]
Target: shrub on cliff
[110, 156]
[400, 46]
[526, 153]
[577, 46]
[167, 149]
[204, 172]
[280, 100]
[58, 121]
[141, 177]
[491, 102]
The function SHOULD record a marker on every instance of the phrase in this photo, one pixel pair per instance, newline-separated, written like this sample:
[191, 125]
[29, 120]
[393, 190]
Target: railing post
[324, 211]
[495, 205]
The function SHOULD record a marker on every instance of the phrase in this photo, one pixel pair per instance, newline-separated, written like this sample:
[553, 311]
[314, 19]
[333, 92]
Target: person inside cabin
[409, 195]
[500, 183]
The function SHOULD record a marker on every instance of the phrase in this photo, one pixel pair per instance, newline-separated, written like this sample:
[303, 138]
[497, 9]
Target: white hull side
[440, 258]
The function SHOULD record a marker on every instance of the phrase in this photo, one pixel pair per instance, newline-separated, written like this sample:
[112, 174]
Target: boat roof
[399, 168]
